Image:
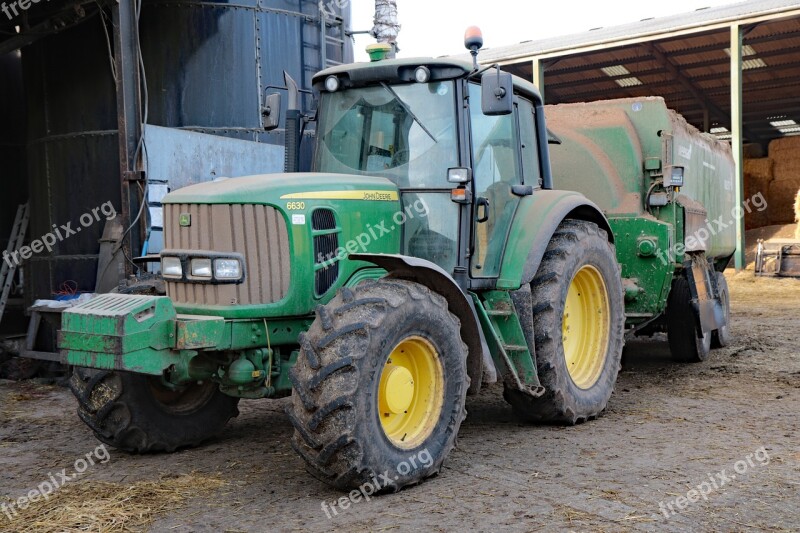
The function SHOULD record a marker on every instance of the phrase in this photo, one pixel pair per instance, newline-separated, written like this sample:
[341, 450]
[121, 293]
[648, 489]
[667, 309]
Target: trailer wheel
[579, 327]
[379, 387]
[684, 344]
[139, 414]
[722, 337]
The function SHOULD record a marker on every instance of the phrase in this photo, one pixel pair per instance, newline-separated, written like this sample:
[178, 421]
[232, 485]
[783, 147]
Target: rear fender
[537, 219]
[432, 276]
[709, 314]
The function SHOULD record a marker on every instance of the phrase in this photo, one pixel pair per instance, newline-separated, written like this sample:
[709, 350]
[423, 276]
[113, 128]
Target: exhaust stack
[387, 26]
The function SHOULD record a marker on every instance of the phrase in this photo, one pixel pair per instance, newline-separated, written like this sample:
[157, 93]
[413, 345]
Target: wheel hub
[399, 389]
[585, 327]
[181, 400]
[411, 393]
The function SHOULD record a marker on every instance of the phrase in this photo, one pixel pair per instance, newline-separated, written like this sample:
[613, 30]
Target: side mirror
[271, 114]
[552, 138]
[498, 93]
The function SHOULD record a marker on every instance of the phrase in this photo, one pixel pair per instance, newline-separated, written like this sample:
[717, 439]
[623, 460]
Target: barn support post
[129, 118]
[538, 74]
[737, 36]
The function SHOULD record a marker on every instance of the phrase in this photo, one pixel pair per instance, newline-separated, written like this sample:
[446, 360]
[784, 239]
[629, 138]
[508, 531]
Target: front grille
[325, 248]
[326, 278]
[258, 232]
[323, 219]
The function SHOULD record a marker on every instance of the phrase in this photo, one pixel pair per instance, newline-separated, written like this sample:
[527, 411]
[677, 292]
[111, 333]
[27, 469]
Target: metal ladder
[14, 243]
[337, 40]
[332, 33]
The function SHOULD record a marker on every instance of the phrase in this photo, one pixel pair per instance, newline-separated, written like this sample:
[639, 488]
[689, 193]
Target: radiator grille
[257, 232]
[326, 278]
[323, 219]
[325, 247]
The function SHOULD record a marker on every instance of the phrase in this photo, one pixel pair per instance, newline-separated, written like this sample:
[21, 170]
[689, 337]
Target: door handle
[482, 202]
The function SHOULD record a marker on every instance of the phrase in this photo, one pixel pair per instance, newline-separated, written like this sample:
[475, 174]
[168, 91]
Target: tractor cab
[460, 140]
[376, 131]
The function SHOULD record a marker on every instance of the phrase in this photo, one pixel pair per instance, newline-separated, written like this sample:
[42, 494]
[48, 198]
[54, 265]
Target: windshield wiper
[408, 110]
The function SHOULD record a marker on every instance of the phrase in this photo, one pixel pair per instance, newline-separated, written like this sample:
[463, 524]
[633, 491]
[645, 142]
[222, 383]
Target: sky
[436, 27]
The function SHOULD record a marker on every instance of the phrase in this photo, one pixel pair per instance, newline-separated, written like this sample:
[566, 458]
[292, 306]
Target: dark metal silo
[72, 151]
[12, 142]
[208, 65]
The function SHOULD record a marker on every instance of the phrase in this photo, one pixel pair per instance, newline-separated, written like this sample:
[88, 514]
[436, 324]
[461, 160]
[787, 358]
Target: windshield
[406, 133]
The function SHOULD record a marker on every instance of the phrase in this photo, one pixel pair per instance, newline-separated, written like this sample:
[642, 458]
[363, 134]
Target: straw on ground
[109, 507]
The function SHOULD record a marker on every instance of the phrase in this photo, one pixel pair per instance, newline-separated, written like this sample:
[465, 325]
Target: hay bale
[781, 199]
[759, 168]
[784, 147]
[753, 150]
[756, 219]
[787, 169]
[754, 184]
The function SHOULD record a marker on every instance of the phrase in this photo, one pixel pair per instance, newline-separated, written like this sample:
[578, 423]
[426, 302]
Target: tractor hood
[279, 189]
[292, 234]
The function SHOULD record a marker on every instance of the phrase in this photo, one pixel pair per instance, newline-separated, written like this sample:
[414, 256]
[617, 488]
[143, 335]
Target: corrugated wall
[12, 142]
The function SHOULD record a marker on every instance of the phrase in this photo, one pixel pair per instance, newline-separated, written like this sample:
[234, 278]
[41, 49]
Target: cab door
[496, 168]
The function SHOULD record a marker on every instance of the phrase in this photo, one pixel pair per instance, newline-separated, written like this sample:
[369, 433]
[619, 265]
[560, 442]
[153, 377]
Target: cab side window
[494, 146]
[530, 148]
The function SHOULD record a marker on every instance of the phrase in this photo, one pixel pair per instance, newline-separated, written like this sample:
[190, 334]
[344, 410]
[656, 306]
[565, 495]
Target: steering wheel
[400, 158]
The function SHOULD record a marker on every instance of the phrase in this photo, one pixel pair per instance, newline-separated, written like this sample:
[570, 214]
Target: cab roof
[402, 71]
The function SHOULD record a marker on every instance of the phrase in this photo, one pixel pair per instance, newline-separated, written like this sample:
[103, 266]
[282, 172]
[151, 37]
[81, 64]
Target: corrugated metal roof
[657, 26]
[690, 71]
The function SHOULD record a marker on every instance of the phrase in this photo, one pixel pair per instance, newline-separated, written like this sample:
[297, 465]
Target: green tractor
[426, 253]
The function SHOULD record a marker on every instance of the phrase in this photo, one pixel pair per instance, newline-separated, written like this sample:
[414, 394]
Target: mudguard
[432, 276]
[538, 216]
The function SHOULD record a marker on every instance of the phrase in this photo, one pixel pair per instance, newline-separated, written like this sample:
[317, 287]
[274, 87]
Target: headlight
[201, 268]
[227, 269]
[332, 84]
[422, 75]
[171, 267]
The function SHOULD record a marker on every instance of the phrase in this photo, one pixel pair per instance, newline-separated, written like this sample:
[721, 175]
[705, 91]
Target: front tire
[139, 414]
[380, 385]
[579, 327]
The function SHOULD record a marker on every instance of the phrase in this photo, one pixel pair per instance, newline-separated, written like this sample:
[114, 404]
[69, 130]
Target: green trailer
[429, 251]
[620, 153]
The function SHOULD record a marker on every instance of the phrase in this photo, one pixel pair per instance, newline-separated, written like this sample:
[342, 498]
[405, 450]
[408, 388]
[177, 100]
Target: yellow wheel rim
[411, 393]
[585, 327]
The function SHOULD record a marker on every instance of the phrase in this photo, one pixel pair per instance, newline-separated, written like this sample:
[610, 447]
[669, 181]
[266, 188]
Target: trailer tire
[137, 414]
[579, 258]
[355, 424]
[684, 344]
[720, 338]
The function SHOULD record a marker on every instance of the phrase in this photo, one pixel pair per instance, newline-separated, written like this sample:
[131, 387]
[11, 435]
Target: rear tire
[380, 385]
[138, 414]
[684, 344]
[578, 259]
[722, 337]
